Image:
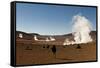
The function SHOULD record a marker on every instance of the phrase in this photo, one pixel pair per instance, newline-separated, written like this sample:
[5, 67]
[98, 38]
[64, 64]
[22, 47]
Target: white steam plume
[81, 28]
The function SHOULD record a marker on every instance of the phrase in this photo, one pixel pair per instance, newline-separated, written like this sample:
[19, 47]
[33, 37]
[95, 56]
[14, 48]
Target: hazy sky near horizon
[50, 19]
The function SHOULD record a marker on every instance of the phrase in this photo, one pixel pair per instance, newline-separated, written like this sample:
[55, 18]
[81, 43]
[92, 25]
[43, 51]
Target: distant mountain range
[30, 36]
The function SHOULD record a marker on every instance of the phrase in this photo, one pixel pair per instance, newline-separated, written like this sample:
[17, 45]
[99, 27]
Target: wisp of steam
[81, 29]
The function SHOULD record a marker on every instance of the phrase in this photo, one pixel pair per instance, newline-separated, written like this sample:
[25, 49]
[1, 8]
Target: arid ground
[33, 52]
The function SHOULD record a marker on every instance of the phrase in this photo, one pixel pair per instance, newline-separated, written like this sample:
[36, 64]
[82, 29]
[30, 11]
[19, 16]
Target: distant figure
[78, 46]
[43, 46]
[54, 50]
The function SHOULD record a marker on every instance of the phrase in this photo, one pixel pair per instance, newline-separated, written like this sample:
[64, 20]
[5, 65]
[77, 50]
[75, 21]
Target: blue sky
[50, 19]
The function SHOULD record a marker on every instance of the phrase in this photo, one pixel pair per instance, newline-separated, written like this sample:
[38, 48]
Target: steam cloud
[81, 29]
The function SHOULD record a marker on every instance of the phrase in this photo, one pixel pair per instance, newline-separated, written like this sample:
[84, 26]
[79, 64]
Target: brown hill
[59, 38]
[92, 33]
